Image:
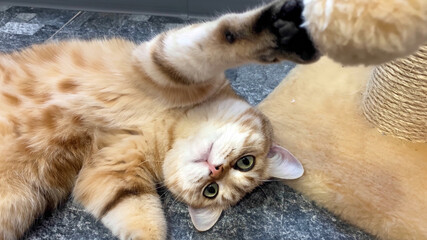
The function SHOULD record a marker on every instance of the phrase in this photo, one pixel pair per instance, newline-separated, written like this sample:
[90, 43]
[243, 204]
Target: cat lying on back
[123, 117]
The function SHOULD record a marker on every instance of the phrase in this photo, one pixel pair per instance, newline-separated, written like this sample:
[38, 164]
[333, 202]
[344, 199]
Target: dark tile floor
[273, 211]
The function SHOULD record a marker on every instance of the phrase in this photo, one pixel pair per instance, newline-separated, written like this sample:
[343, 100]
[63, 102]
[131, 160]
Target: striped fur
[127, 117]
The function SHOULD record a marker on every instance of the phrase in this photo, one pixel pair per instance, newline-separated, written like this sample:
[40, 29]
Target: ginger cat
[112, 119]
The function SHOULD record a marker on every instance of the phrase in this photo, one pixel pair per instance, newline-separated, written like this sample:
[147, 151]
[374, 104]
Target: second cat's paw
[284, 18]
[287, 18]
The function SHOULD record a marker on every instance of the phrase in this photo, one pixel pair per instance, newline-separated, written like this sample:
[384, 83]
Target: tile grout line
[66, 24]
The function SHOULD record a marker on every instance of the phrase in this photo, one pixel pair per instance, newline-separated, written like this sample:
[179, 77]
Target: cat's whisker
[175, 199]
[262, 190]
[163, 194]
[161, 186]
[272, 180]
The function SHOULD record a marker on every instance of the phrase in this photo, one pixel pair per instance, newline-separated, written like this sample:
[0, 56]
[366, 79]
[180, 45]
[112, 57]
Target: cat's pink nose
[215, 170]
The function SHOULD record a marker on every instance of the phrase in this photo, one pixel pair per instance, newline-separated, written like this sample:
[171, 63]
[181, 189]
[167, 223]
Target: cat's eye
[211, 190]
[245, 163]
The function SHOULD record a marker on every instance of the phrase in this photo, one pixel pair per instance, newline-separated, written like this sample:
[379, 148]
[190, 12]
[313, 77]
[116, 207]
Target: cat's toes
[290, 10]
[286, 19]
[286, 31]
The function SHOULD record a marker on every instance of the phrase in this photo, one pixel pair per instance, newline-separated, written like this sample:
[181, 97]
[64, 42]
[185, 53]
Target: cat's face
[221, 157]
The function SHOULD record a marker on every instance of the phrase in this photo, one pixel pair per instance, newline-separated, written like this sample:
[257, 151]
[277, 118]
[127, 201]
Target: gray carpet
[272, 211]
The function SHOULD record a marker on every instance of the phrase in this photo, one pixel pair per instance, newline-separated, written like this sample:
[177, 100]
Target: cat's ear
[204, 218]
[283, 164]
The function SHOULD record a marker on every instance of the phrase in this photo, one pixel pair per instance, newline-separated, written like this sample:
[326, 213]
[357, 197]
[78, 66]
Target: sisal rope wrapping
[395, 100]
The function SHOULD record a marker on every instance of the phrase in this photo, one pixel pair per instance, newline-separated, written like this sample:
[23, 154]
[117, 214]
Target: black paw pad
[291, 10]
[285, 30]
[284, 18]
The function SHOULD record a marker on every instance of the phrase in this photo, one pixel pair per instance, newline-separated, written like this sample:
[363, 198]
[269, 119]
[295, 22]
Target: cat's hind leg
[26, 193]
[20, 204]
[37, 172]
[117, 187]
[21, 200]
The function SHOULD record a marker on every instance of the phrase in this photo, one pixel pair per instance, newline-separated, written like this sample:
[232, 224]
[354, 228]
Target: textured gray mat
[272, 211]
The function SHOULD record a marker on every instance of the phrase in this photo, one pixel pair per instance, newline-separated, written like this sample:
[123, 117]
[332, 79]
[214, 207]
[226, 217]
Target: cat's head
[223, 151]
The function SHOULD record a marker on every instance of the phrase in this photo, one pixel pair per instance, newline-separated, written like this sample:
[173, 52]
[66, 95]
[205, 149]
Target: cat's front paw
[287, 17]
[284, 18]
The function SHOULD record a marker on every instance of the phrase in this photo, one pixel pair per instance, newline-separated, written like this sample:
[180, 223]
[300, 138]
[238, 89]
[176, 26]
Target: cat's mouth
[205, 156]
[214, 170]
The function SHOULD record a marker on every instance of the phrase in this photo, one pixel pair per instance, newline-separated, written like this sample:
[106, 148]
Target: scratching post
[395, 100]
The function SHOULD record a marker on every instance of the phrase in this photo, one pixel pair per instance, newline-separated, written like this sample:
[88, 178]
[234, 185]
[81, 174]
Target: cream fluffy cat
[121, 117]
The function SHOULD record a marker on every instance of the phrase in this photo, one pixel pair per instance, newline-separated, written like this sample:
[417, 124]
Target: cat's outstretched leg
[37, 168]
[20, 204]
[198, 55]
[28, 187]
[117, 187]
